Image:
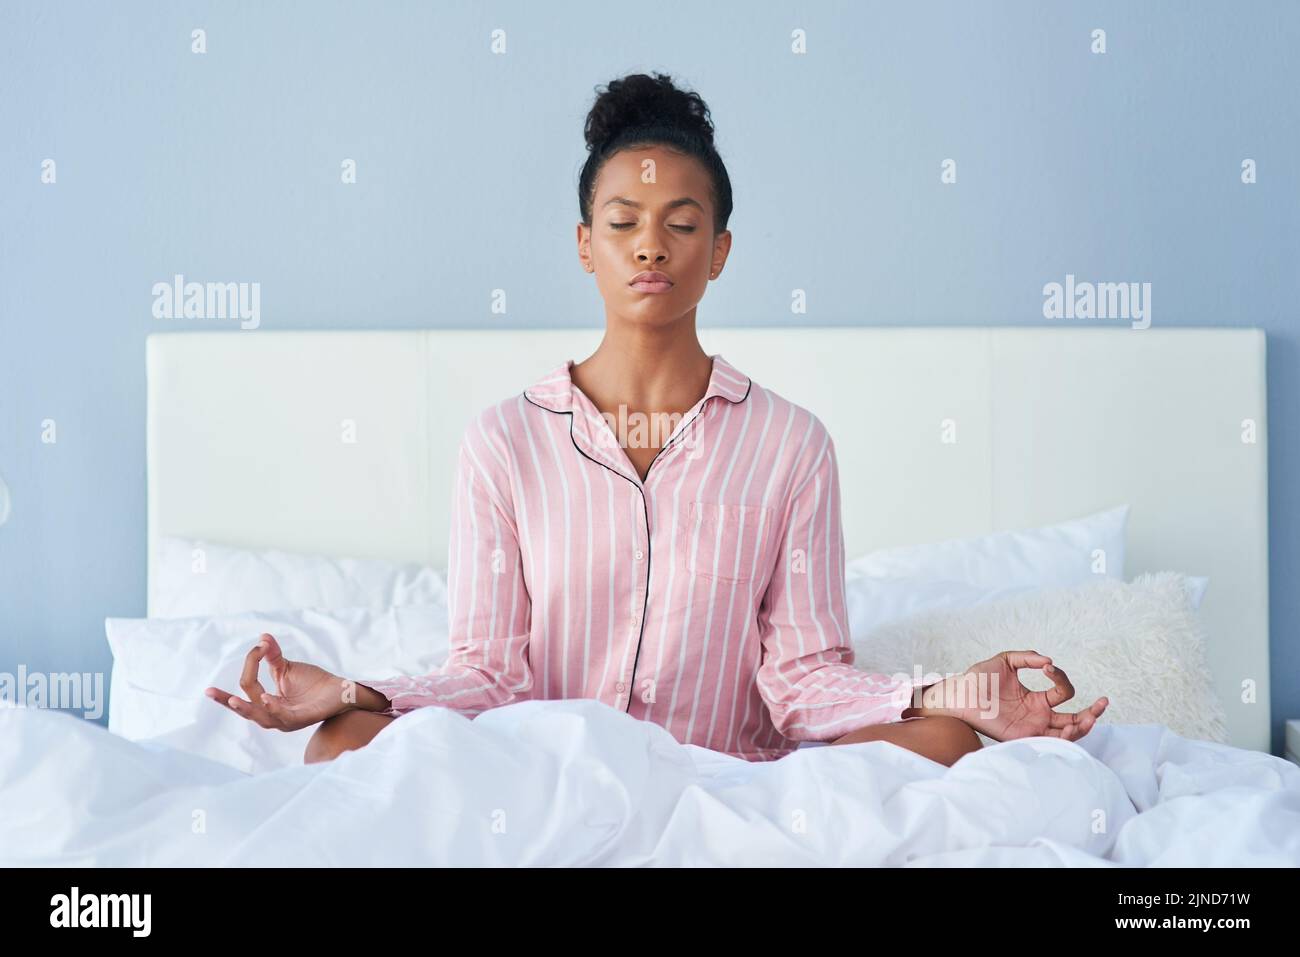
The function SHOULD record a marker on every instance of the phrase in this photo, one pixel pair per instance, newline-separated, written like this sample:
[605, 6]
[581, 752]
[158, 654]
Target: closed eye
[685, 229]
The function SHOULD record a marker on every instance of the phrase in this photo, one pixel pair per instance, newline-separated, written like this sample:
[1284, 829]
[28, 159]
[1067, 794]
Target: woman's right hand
[307, 694]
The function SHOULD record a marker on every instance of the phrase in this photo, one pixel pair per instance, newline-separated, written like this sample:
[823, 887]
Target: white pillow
[1141, 645]
[1061, 554]
[162, 666]
[197, 577]
[876, 602]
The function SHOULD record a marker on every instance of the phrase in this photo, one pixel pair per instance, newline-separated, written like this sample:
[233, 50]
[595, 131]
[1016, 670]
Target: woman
[651, 528]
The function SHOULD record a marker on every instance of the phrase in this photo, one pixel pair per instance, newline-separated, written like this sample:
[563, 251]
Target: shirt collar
[555, 390]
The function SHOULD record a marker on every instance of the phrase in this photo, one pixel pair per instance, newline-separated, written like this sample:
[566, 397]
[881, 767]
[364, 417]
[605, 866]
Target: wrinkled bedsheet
[556, 783]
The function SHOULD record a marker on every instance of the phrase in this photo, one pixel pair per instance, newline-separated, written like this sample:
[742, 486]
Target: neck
[646, 369]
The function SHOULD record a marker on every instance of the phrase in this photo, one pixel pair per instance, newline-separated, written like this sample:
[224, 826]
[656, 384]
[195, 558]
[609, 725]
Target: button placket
[640, 578]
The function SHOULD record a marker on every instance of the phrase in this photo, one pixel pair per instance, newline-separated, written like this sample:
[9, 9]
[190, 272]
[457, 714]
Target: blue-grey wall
[225, 165]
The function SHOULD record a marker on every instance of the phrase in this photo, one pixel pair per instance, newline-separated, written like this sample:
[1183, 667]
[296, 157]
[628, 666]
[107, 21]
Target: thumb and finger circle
[1062, 690]
[255, 708]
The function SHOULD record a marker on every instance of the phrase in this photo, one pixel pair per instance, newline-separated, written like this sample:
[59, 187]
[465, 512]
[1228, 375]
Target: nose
[651, 250]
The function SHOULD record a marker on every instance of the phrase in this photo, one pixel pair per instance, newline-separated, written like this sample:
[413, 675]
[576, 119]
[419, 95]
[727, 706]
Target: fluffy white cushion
[876, 602]
[1068, 553]
[195, 577]
[1141, 645]
[161, 667]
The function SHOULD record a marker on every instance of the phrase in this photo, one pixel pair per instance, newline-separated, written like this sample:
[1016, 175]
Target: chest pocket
[724, 540]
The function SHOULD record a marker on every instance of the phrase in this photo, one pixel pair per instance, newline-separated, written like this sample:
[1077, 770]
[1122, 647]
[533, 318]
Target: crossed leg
[938, 737]
[344, 732]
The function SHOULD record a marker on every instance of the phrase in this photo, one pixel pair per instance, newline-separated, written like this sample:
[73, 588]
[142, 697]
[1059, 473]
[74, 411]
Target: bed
[341, 443]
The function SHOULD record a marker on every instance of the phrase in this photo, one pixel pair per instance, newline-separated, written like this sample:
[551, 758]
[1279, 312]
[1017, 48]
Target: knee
[323, 745]
[940, 738]
[342, 732]
[953, 737]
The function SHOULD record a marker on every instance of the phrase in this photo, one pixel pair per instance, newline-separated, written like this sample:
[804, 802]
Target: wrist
[364, 698]
[929, 701]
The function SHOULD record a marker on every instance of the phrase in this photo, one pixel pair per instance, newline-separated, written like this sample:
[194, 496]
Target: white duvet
[550, 783]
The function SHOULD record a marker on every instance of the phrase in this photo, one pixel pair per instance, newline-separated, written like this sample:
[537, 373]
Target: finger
[273, 656]
[1065, 721]
[1081, 726]
[1071, 727]
[253, 712]
[1061, 690]
[249, 681]
[272, 646]
[232, 703]
[1061, 719]
[278, 710]
[220, 697]
[1098, 708]
[1026, 659]
[1059, 725]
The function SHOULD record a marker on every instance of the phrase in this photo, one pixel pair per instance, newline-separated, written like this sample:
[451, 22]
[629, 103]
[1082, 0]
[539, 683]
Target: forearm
[931, 702]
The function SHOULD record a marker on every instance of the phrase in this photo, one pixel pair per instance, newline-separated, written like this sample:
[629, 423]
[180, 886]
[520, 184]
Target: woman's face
[652, 212]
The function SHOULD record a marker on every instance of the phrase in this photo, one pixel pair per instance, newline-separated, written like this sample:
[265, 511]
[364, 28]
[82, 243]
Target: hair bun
[640, 101]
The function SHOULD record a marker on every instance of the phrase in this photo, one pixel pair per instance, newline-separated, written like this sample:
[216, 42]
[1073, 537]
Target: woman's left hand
[998, 706]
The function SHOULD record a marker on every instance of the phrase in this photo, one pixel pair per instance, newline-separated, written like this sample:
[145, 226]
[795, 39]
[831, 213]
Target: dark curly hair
[639, 110]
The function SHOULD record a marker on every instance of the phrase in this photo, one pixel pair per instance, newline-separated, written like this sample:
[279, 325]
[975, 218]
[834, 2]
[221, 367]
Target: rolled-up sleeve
[807, 679]
[489, 607]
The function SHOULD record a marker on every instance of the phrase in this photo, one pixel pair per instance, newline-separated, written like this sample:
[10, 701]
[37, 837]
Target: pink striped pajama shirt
[708, 598]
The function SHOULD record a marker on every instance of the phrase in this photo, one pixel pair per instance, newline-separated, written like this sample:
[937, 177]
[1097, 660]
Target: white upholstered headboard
[247, 442]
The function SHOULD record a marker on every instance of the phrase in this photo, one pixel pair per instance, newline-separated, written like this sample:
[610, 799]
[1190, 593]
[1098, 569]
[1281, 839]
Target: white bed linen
[579, 783]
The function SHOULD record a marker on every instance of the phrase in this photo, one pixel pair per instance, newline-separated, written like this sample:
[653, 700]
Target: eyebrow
[683, 201]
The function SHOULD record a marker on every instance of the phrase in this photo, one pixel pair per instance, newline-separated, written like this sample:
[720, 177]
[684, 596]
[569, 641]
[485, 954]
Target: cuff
[904, 695]
[388, 689]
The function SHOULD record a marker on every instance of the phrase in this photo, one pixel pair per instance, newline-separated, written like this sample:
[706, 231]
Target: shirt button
[639, 554]
[621, 687]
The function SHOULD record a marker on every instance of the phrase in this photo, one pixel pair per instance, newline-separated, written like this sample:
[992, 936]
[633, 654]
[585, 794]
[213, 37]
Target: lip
[653, 282]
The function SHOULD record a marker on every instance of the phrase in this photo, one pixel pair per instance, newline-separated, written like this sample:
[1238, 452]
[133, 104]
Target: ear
[584, 247]
[721, 250]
